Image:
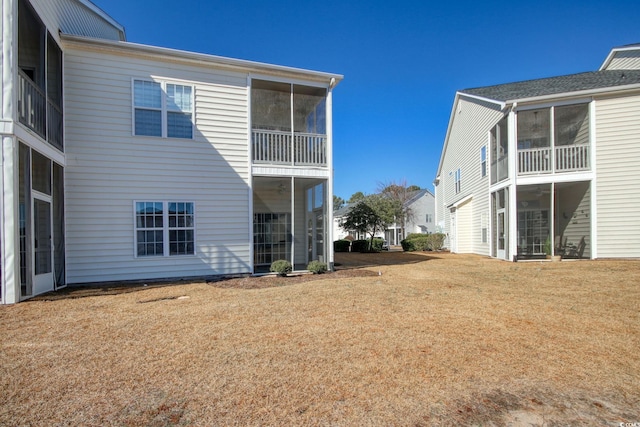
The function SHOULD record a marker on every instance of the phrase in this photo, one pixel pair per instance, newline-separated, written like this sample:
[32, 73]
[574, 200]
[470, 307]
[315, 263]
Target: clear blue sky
[402, 60]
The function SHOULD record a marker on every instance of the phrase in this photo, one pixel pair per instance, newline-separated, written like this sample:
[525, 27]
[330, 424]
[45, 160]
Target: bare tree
[401, 194]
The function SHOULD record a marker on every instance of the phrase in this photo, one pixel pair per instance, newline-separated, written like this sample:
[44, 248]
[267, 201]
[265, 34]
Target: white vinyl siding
[625, 60]
[109, 169]
[469, 132]
[465, 235]
[618, 176]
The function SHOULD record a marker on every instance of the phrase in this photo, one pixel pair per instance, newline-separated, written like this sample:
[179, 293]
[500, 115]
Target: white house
[123, 161]
[550, 160]
[421, 219]
[421, 209]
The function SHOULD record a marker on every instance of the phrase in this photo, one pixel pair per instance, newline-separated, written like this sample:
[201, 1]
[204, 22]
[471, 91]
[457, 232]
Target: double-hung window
[483, 161]
[164, 228]
[162, 109]
[457, 181]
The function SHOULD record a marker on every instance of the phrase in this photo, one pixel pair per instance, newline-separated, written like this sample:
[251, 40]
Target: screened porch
[288, 124]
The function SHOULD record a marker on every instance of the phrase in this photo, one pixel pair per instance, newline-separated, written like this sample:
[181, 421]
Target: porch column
[512, 190]
[10, 218]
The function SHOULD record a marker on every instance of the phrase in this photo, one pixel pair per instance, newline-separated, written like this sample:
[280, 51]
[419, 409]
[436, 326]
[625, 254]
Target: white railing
[276, 147]
[568, 158]
[31, 105]
[534, 160]
[38, 113]
[572, 157]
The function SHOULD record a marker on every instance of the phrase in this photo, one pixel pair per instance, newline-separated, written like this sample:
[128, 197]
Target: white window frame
[164, 110]
[166, 229]
[457, 180]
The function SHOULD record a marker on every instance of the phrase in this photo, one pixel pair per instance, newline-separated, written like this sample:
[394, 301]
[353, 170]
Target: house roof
[557, 85]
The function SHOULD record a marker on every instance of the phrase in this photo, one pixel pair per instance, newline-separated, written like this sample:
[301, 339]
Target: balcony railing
[285, 148]
[38, 113]
[568, 158]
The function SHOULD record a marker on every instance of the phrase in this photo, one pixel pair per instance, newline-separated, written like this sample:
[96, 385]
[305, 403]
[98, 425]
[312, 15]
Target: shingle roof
[557, 85]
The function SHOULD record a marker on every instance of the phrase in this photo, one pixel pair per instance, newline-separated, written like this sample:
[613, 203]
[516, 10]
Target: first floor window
[484, 227]
[164, 228]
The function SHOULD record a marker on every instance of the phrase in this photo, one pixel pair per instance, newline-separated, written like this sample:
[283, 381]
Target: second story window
[162, 109]
[483, 160]
[457, 181]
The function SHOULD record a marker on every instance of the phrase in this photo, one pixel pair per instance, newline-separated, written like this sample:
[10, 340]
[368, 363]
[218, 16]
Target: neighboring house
[555, 158]
[421, 208]
[421, 205]
[130, 162]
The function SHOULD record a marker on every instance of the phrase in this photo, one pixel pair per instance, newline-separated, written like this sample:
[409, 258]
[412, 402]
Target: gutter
[175, 55]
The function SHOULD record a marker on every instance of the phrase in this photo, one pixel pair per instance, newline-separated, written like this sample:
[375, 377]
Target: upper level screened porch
[289, 124]
[39, 91]
[549, 140]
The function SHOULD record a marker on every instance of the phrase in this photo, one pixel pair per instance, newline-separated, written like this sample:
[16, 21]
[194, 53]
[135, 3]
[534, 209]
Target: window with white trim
[164, 228]
[484, 227]
[162, 109]
[457, 181]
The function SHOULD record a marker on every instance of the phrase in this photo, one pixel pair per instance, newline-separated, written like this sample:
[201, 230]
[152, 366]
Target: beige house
[545, 166]
[124, 161]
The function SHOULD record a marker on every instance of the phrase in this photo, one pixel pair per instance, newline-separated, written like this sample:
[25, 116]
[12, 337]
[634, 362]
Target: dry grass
[433, 340]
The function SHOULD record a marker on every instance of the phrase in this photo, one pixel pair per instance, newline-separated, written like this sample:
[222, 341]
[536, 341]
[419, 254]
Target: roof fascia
[163, 53]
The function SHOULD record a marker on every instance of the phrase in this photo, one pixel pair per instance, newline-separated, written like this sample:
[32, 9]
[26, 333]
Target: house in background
[550, 161]
[420, 204]
[123, 161]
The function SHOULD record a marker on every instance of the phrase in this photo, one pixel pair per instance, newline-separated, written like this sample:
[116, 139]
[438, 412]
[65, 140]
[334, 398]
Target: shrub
[360, 246]
[281, 266]
[376, 245]
[437, 241]
[317, 267]
[341, 245]
[423, 242]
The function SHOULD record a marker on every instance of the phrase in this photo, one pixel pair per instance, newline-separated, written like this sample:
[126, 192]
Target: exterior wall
[625, 60]
[421, 207]
[618, 176]
[465, 228]
[108, 169]
[72, 17]
[472, 121]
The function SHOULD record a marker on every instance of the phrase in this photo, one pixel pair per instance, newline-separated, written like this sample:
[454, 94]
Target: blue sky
[402, 60]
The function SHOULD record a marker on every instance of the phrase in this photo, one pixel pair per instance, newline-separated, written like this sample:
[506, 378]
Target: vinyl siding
[465, 227]
[108, 169]
[72, 17]
[469, 132]
[618, 176]
[625, 60]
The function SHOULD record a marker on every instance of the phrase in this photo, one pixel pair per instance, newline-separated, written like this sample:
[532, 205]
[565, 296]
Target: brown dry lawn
[435, 339]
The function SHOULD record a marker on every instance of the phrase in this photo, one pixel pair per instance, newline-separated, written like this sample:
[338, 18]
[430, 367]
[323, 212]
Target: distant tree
[372, 214]
[356, 197]
[338, 202]
[400, 194]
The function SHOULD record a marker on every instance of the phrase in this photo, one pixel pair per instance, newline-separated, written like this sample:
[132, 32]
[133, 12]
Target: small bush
[423, 242]
[281, 266]
[360, 246]
[376, 244]
[341, 245]
[317, 267]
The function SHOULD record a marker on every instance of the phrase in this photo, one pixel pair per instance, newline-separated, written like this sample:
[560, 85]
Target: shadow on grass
[351, 260]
